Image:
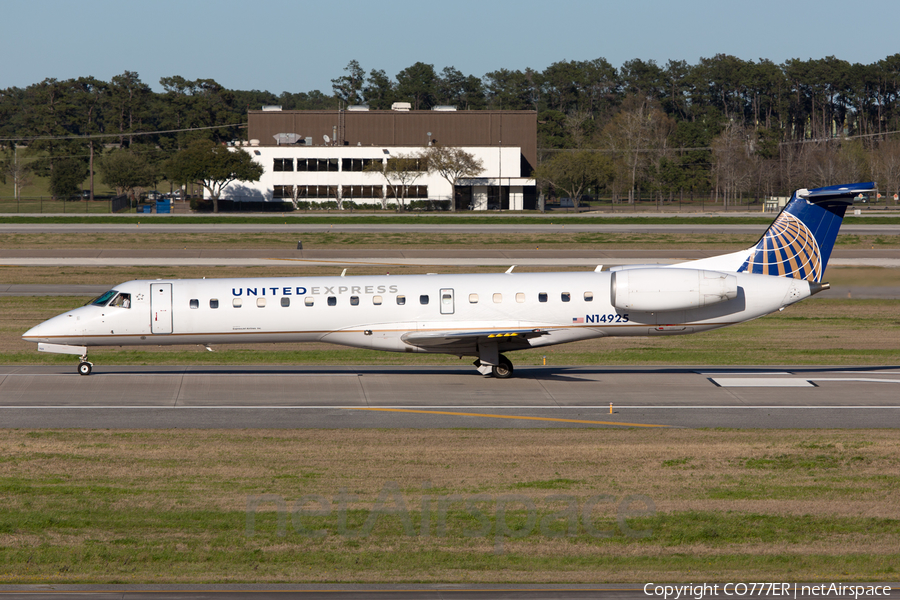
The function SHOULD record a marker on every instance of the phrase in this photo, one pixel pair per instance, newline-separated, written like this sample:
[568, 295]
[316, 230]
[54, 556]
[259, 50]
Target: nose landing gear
[84, 367]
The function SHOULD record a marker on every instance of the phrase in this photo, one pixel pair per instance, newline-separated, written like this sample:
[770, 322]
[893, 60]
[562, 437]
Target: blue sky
[300, 45]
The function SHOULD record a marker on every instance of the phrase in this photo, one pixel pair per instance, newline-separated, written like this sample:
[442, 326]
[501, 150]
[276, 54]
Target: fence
[49, 205]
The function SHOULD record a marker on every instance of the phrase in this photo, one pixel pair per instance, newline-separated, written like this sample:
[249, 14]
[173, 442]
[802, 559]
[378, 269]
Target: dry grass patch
[432, 240]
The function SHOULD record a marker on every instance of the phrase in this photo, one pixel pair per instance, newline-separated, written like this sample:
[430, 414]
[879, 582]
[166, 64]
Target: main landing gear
[502, 370]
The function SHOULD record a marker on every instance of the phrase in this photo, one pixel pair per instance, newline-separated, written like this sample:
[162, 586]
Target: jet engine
[657, 290]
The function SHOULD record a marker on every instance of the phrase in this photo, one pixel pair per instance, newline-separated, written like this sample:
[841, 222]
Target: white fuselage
[383, 312]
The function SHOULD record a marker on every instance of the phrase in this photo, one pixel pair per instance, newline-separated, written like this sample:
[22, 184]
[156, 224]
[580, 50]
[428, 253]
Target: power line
[115, 135]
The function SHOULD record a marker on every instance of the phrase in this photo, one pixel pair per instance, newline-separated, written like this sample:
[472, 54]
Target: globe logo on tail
[788, 249]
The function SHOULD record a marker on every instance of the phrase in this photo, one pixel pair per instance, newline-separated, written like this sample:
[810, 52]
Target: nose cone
[51, 329]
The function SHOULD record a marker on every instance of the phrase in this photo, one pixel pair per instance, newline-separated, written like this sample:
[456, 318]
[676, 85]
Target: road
[559, 225]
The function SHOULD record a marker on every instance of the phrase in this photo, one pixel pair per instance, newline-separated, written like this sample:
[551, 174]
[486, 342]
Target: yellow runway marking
[464, 414]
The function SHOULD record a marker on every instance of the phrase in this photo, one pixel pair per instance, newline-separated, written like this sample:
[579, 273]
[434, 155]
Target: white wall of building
[500, 164]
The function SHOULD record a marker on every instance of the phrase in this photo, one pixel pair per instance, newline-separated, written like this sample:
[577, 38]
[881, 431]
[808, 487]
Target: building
[322, 155]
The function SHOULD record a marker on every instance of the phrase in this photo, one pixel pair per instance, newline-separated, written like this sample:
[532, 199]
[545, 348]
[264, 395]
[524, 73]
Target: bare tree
[452, 164]
[16, 172]
[636, 135]
[886, 165]
[733, 162]
[400, 173]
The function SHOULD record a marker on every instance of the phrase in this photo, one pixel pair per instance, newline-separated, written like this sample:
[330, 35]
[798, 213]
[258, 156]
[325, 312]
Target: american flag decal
[578, 320]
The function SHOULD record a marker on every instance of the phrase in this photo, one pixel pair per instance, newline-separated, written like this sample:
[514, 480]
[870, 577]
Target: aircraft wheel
[504, 370]
[84, 368]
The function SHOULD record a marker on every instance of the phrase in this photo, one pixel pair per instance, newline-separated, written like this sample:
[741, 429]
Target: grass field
[448, 506]
[361, 240]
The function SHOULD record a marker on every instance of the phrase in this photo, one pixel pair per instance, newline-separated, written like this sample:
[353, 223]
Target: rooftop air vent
[358, 107]
[401, 106]
[283, 139]
[272, 107]
[444, 108]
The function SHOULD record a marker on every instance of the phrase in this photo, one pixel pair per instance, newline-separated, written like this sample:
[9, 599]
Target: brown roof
[400, 128]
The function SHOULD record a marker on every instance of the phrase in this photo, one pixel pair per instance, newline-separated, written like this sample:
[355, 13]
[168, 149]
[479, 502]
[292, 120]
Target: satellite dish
[327, 139]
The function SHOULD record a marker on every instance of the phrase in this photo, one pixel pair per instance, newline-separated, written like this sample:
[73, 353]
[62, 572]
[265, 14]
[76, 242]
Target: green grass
[505, 506]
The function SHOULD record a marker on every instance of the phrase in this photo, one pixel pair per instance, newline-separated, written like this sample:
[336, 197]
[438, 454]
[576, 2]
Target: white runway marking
[722, 373]
[759, 382]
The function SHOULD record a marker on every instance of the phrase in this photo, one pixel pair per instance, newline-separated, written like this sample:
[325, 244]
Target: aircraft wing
[507, 339]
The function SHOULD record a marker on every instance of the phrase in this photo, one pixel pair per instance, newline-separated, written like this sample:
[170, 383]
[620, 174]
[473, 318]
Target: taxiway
[443, 397]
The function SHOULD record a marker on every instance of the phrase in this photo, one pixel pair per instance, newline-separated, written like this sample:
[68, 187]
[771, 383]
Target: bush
[429, 205]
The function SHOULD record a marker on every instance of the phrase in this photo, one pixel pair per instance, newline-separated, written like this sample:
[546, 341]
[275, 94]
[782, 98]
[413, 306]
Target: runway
[445, 397]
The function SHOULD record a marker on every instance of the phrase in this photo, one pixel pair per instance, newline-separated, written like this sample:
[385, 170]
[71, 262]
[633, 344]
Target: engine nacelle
[658, 290]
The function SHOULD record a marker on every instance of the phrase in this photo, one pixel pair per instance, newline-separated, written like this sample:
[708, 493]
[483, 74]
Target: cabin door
[161, 308]
[447, 301]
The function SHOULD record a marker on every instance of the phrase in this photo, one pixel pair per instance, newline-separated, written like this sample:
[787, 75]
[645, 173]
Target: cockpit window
[102, 300]
[122, 301]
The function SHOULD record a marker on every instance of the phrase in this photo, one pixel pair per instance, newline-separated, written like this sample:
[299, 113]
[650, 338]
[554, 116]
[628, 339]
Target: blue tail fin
[799, 242]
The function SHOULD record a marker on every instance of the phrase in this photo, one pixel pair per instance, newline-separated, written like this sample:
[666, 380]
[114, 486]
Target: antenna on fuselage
[344, 272]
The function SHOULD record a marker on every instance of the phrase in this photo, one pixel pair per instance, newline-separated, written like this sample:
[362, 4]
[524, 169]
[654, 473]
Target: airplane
[476, 315]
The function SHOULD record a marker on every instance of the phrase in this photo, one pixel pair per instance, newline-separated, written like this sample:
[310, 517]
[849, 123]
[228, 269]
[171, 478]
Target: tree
[15, 171]
[67, 176]
[379, 90]
[575, 172]
[638, 135]
[213, 167]
[886, 165]
[418, 85]
[452, 164]
[733, 163]
[400, 173]
[349, 87]
[126, 170]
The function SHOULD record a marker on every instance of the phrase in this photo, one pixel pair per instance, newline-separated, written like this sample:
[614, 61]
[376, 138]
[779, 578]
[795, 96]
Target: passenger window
[498, 298]
[565, 296]
[309, 301]
[285, 301]
[236, 303]
[520, 297]
[473, 298]
[401, 300]
[261, 302]
[332, 301]
[542, 297]
[354, 300]
[423, 299]
[195, 303]
[213, 303]
[589, 296]
[376, 300]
